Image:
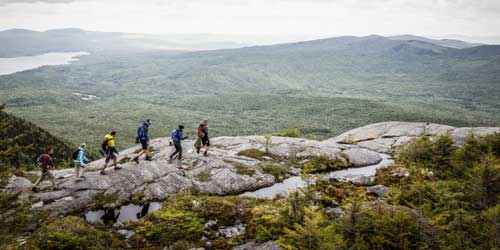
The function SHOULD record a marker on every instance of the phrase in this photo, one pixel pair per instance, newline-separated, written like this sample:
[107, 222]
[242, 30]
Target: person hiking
[45, 161]
[202, 140]
[142, 135]
[111, 151]
[198, 143]
[177, 137]
[79, 159]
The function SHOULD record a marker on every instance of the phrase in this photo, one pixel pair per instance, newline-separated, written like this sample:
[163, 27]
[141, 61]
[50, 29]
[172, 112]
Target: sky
[271, 18]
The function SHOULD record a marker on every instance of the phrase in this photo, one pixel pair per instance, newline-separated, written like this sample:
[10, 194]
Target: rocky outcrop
[221, 172]
[382, 137]
[252, 245]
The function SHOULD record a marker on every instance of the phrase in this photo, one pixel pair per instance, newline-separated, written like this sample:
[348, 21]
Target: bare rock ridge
[224, 171]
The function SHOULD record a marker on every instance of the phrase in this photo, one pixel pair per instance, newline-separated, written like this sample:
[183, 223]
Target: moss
[323, 163]
[168, 226]
[278, 171]
[253, 153]
[203, 176]
[222, 209]
[124, 160]
[71, 233]
[267, 222]
[137, 198]
[102, 200]
[244, 170]
[228, 243]
[335, 191]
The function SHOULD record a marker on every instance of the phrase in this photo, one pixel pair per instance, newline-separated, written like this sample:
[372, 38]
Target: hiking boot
[148, 158]
[205, 154]
[82, 177]
[34, 189]
[198, 151]
[118, 168]
[136, 159]
[103, 173]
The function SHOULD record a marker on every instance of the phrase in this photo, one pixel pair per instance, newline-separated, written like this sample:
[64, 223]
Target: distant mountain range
[450, 43]
[18, 42]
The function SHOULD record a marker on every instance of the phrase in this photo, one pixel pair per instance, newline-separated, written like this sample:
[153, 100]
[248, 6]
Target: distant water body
[17, 64]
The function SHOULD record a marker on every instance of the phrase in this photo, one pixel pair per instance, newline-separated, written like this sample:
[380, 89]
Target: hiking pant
[42, 177]
[77, 169]
[178, 149]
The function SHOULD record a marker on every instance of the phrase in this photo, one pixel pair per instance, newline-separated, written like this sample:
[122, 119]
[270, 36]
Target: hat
[83, 145]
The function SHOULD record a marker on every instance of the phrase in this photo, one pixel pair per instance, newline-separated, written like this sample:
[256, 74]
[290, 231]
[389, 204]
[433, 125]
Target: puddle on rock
[292, 183]
[126, 213]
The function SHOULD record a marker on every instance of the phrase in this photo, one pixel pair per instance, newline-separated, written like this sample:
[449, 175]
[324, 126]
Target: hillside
[34, 140]
[378, 185]
[450, 43]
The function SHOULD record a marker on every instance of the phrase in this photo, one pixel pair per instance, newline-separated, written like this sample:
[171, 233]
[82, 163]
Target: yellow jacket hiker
[111, 140]
[111, 151]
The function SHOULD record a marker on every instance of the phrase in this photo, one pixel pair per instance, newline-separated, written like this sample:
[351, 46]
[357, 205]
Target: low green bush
[72, 233]
[278, 171]
[168, 226]
[323, 163]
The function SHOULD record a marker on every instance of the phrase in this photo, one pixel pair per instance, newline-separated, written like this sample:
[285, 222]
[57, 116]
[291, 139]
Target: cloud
[36, 1]
[263, 17]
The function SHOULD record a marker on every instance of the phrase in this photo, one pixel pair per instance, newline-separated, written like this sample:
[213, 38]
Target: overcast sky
[307, 18]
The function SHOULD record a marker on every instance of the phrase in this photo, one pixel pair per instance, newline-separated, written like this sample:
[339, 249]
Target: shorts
[205, 141]
[144, 144]
[110, 154]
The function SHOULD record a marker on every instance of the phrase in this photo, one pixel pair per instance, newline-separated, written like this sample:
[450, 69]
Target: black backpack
[75, 154]
[104, 147]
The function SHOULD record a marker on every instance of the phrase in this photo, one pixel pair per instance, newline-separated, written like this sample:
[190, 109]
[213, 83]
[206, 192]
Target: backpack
[140, 133]
[104, 147]
[174, 134]
[39, 159]
[75, 154]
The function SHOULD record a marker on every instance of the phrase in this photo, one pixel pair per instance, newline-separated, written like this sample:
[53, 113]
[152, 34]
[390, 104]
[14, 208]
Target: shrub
[323, 163]
[203, 176]
[294, 132]
[253, 153]
[267, 222]
[244, 170]
[316, 232]
[167, 226]
[70, 233]
[223, 209]
[278, 171]
[15, 217]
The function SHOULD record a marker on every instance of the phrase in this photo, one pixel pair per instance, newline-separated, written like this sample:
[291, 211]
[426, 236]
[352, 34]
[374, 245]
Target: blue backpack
[174, 134]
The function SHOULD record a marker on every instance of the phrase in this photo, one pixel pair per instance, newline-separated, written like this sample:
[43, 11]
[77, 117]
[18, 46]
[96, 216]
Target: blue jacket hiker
[143, 138]
[80, 160]
[177, 137]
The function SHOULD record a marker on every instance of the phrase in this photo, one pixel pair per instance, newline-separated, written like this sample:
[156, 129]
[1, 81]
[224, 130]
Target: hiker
[45, 161]
[202, 140]
[143, 138]
[79, 160]
[177, 137]
[109, 147]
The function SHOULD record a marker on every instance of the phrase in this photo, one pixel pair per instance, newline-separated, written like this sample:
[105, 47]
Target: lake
[17, 64]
